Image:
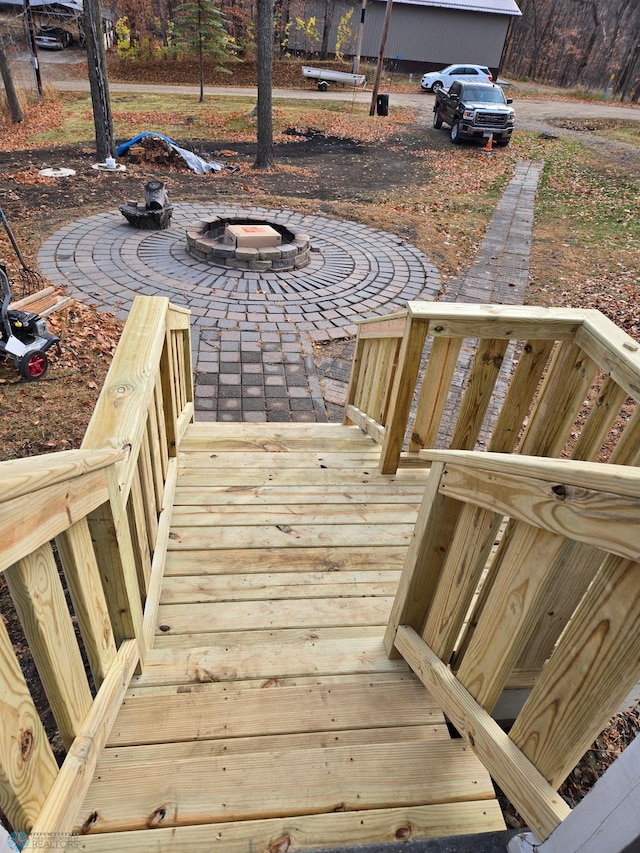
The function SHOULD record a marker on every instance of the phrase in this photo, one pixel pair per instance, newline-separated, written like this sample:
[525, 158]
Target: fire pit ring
[208, 241]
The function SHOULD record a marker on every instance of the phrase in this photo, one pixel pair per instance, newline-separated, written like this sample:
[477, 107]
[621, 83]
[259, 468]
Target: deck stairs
[267, 715]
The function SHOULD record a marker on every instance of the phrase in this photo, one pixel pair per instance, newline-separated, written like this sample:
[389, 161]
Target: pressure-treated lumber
[39, 600]
[535, 799]
[347, 778]
[31, 520]
[22, 477]
[225, 711]
[594, 666]
[83, 579]
[434, 526]
[404, 382]
[130, 385]
[441, 366]
[27, 766]
[309, 832]
[65, 797]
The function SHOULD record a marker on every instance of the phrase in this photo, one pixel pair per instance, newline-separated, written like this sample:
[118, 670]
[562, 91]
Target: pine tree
[200, 29]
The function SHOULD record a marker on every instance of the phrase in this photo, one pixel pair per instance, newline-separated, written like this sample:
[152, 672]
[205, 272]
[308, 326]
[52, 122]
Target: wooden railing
[554, 509]
[104, 510]
[403, 392]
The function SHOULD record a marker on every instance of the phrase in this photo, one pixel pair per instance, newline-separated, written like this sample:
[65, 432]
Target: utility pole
[383, 44]
[356, 58]
[32, 47]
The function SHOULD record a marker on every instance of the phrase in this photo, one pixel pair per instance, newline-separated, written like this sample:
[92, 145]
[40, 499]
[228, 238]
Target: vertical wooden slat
[477, 396]
[377, 386]
[162, 429]
[510, 614]
[402, 394]
[594, 666]
[178, 368]
[27, 766]
[435, 390]
[627, 450]
[149, 497]
[137, 524]
[601, 418]
[368, 377]
[465, 560]
[487, 585]
[155, 454]
[577, 566]
[434, 527]
[113, 548]
[525, 380]
[90, 606]
[354, 377]
[39, 600]
[171, 410]
[392, 350]
[563, 391]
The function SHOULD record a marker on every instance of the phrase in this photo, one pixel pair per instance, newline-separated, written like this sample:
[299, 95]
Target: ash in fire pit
[248, 244]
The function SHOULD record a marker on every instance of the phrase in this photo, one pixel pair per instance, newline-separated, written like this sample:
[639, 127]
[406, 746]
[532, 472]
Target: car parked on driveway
[434, 80]
[53, 38]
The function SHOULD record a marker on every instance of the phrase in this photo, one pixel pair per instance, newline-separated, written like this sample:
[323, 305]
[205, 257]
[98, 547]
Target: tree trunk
[7, 79]
[264, 45]
[200, 56]
[329, 7]
[96, 59]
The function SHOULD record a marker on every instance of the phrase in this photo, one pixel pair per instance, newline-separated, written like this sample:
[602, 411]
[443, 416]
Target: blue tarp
[195, 163]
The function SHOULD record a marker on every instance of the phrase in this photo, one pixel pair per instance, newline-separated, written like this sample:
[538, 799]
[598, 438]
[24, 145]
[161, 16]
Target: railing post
[413, 340]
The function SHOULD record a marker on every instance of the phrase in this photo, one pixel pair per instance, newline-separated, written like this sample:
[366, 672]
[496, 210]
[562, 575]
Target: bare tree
[264, 45]
[96, 59]
[7, 79]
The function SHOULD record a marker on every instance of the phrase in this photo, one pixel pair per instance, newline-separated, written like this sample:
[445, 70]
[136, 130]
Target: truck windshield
[491, 96]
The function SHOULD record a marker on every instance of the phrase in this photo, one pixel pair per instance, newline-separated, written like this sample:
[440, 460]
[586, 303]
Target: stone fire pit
[248, 243]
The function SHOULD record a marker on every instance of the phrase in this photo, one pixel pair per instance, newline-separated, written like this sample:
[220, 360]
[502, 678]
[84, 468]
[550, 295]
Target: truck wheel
[437, 120]
[435, 87]
[455, 132]
[323, 86]
[503, 142]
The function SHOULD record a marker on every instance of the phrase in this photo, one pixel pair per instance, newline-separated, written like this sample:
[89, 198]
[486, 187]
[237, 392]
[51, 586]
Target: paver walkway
[253, 332]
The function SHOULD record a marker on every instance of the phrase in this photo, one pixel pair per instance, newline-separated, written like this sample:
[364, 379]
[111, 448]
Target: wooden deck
[267, 716]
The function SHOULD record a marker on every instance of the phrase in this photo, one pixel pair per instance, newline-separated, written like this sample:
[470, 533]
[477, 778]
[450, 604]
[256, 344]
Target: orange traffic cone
[489, 146]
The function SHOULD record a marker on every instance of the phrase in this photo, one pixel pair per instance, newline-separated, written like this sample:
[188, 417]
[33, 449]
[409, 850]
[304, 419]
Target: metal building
[428, 34]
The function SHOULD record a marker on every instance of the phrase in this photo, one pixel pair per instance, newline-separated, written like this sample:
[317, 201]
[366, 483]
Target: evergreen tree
[200, 29]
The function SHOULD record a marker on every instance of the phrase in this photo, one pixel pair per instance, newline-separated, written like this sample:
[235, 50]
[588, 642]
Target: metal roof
[491, 7]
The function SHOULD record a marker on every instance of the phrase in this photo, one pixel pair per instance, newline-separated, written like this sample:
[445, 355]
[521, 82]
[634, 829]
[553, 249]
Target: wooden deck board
[308, 832]
[268, 713]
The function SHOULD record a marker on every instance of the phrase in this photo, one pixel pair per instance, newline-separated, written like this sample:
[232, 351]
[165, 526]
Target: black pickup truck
[474, 111]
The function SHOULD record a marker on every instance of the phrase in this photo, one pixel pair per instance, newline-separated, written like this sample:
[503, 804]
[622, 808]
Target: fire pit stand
[153, 214]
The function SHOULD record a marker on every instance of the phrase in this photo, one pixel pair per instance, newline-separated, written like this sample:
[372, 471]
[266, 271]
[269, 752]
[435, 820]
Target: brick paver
[253, 332]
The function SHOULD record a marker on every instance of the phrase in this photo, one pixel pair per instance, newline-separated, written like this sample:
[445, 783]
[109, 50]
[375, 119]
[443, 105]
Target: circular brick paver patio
[251, 331]
[354, 272]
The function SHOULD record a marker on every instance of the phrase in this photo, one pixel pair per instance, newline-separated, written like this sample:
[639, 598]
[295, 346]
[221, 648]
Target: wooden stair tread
[258, 785]
[223, 711]
[308, 832]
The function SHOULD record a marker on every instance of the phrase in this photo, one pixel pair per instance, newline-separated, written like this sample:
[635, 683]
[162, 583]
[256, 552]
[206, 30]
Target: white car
[434, 80]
